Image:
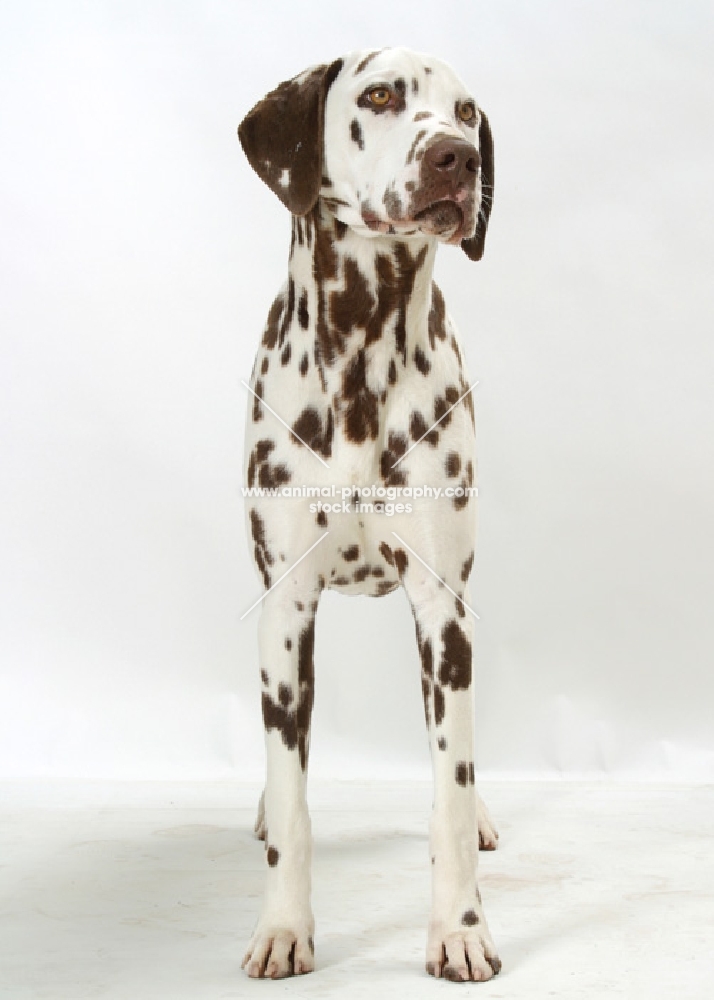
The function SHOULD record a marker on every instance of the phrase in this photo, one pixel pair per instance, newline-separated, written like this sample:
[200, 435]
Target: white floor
[139, 892]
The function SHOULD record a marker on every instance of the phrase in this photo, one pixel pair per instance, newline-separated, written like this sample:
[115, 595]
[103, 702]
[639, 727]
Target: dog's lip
[442, 216]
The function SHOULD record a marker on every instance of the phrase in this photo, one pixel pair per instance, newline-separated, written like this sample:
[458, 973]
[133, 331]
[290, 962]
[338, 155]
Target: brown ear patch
[473, 247]
[282, 137]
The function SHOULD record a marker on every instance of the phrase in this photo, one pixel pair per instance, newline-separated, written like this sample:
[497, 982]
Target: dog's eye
[379, 96]
[466, 111]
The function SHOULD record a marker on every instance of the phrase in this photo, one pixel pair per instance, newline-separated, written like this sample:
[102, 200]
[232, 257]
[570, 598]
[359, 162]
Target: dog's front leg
[282, 943]
[459, 944]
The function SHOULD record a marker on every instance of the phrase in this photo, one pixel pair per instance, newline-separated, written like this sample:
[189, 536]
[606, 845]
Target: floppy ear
[282, 137]
[473, 247]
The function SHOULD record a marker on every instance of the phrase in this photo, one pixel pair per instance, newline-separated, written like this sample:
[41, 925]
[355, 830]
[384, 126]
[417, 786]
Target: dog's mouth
[441, 218]
[446, 219]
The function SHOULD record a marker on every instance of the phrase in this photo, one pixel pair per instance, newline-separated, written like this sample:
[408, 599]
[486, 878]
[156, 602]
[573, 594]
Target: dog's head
[391, 140]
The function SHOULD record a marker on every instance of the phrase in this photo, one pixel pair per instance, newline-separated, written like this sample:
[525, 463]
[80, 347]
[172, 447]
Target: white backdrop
[139, 258]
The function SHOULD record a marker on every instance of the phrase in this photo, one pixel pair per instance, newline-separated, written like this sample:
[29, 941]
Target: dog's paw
[276, 952]
[462, 954]
[261, 829]
[487, 832]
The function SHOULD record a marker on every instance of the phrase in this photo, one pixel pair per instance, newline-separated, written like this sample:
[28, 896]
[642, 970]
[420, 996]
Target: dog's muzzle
[444, 200]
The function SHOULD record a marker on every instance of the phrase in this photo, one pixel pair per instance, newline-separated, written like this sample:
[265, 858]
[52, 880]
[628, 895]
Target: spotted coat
[360, 380]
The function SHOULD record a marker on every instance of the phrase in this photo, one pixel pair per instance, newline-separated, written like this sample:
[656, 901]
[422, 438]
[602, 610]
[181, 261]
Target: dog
[359, 379]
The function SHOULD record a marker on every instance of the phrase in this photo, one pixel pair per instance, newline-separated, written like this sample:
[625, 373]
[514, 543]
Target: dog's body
[376, 157]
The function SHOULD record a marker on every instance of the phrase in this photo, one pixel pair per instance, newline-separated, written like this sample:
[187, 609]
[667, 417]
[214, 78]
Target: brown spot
[386, 553]
[258, 455]
[437, 316]
[321, 518]
[415, 85]
[470, 918]
[265, 365]
[392, 373]
[310, 429]
[270, 477]
[261, 553]
[366, 61]
[419, 430]
[427, 657]
[273, 856]
[306, 681]
[386, 587]
[356, 133]
[466, 567]
[455, 667]
[441, 743]
[285, 356]
[417, 139]
[351, 306]
[264, 677]
[461, 501]
[288, 314]
[303, 315]
[276, 716]
[421, 116]
[340, 581]
[396, 447]
[288, 644]
[324, 269]
[360, 410]
[401, 90]
[400, 561]
[455, 349]
[360, 574]
[443, 405]
[462, 773]
[439, 705]
[377, 571]
[351, 554]
[421, 361]
[270, 335]
[304, 364]
[285, 694]
[427, 673]
[257, 396]
[453, 467]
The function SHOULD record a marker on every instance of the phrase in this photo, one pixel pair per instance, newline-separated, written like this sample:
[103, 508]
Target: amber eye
[467, 112]
[379, 96]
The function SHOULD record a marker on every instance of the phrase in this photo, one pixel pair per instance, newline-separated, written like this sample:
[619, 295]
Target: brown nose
[455, 159]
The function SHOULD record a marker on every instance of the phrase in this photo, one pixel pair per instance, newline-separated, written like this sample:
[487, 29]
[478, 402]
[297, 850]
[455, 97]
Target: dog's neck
[354, 291]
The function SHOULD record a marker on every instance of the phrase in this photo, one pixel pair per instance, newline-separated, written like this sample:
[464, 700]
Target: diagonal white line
[320, 539]
[426, 566]
[284, 424]
[470, 388]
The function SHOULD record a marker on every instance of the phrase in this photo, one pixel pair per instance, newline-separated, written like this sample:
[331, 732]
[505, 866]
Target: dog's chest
[358, 403]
